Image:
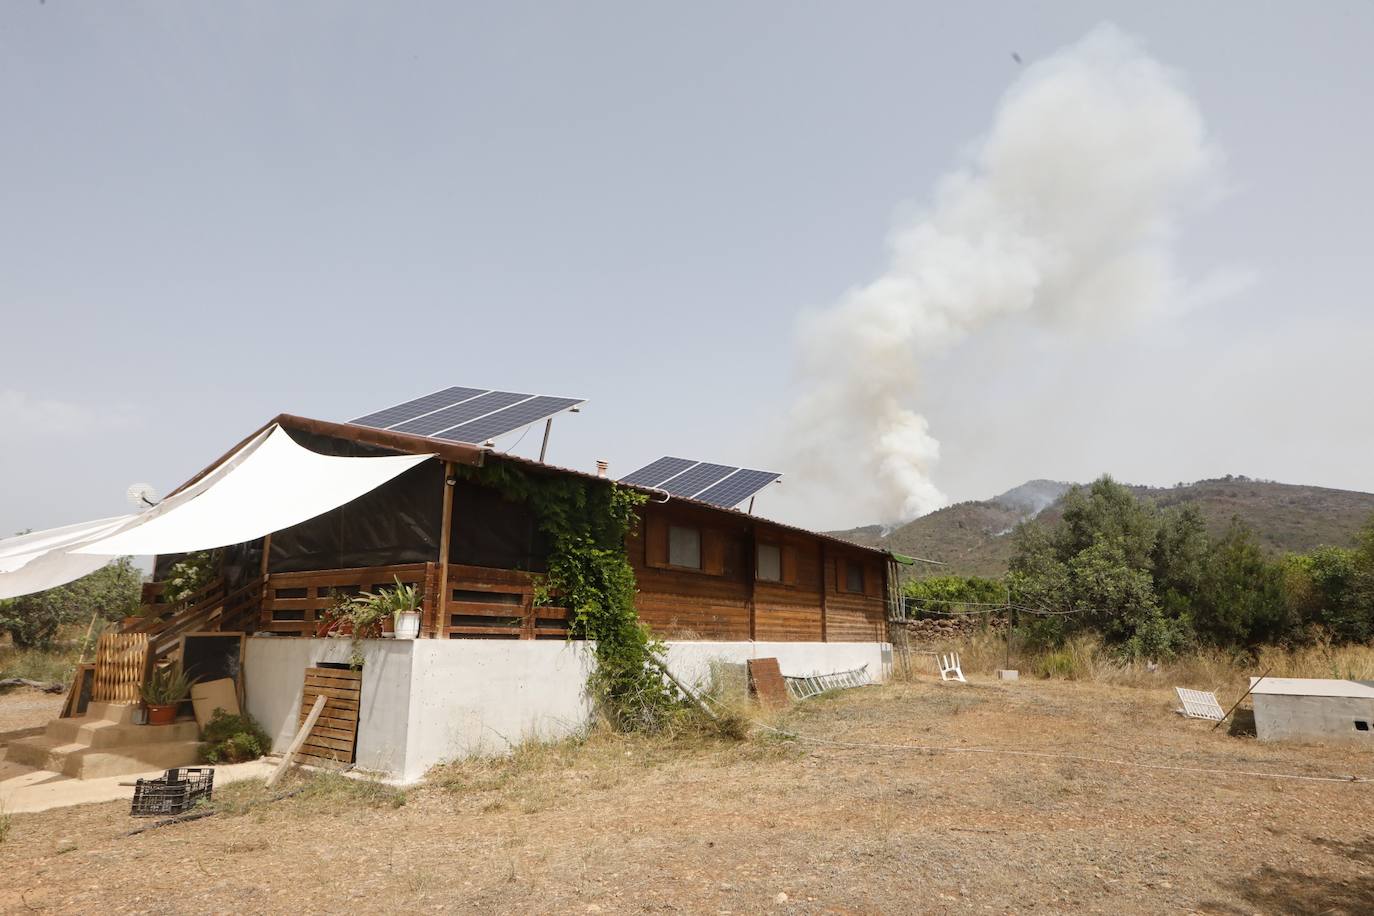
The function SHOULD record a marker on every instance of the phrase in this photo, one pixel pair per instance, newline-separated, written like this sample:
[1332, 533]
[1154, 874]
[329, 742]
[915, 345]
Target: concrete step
[104, 733]
[83, 762]
[40, 752]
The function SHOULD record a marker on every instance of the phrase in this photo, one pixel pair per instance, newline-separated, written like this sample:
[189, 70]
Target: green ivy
[587, 523]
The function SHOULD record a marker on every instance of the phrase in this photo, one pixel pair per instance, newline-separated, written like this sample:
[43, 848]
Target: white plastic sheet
[269, 484]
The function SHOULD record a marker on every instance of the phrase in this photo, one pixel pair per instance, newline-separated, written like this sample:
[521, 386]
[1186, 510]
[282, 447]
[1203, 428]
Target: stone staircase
[105, 742]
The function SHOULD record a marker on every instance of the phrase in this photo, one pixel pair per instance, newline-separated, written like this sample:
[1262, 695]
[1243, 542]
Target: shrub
[234, 738]
[33, 620]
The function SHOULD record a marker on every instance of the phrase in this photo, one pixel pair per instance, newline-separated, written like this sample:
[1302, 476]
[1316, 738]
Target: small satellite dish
[142, 495]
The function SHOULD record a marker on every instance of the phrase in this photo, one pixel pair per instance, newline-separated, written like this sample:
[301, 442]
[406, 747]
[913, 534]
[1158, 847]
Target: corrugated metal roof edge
[475, 456]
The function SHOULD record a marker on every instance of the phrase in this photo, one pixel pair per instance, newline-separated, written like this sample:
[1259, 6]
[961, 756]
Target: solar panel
[652, 475]
[418, 407]
[719, 484]
[467, 414]
[511, 418]
[697, 478]
[738, 487]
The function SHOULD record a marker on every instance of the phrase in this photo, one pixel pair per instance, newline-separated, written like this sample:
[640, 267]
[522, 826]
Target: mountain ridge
[974, 537]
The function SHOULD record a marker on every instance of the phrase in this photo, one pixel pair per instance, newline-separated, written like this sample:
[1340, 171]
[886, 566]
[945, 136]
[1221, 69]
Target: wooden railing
[233, 611]
[156, 612]
[483, 603]
[486, 603]
[294, 603]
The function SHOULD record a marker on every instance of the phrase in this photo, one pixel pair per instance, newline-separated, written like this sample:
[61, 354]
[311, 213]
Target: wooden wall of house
[723, 600]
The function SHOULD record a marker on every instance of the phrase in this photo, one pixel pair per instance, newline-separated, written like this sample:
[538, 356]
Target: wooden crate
[331, 743]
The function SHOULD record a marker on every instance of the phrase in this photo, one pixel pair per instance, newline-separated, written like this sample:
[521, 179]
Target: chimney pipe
[601, 465]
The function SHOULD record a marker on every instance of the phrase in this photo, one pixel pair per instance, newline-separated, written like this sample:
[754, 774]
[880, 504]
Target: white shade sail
[51, 569]
[270, 484]
[18, 551]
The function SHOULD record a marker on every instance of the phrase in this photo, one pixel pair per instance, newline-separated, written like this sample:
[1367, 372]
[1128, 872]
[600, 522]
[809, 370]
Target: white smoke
[1065, 210]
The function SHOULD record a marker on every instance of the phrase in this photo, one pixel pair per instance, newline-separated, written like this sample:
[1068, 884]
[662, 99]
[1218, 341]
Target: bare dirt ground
[706, 826]
[23, 708]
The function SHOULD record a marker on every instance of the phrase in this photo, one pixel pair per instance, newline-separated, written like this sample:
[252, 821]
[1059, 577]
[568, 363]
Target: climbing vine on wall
[587, 523]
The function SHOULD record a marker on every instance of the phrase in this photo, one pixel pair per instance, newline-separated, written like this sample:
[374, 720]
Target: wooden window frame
[701, 547]
[758, 548]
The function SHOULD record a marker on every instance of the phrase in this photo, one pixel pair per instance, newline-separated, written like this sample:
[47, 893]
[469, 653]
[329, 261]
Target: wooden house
[703, 572]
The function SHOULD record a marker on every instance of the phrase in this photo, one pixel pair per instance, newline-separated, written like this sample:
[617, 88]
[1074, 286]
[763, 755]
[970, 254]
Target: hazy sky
[213, 213]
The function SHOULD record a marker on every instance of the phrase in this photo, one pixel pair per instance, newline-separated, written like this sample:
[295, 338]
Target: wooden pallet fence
[332, 741]
[121, 662]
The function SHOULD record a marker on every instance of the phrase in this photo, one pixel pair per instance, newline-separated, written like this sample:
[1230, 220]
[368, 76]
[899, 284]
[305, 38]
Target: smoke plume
[1064, 211]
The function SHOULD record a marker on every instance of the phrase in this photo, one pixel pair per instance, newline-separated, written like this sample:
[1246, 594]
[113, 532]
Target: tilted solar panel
[473, 415]
[508, 419]
[693, 481]
[655, 473]
[459, 414]
[738, 487]
[418, 407]
[719, 484]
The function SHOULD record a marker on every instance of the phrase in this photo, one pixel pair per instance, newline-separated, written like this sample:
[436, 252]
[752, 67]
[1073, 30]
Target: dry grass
[692, 823]
[56, 664]
[1085, 658]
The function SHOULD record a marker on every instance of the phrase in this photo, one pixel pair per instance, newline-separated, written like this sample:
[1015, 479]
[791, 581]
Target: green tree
[33, 620]
[1179, 561]
[1241, 597]
[1321, 591]
[1107, 511]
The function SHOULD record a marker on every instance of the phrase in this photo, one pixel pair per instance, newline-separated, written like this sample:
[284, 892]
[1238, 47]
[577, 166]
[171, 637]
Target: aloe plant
[166, 686]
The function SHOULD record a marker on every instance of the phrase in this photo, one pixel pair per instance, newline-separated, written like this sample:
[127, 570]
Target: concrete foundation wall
[428, 701]
[1280, 717]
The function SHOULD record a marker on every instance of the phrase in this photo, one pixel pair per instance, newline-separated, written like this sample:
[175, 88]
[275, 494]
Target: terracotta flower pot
[162, 715]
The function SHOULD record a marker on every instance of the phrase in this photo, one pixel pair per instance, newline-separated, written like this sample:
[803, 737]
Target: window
[853, 578]
[684, 547]
[769, 563]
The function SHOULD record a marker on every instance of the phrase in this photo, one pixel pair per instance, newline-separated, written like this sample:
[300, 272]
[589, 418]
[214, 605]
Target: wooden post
[440, 621]
[753, 572]
[825, 587]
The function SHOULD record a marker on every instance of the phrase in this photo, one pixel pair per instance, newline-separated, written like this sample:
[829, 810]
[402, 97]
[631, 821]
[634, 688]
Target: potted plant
[405, 609]
[163, 691]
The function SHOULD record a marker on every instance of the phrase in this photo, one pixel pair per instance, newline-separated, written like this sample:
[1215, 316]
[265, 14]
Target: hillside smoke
[1065, 210]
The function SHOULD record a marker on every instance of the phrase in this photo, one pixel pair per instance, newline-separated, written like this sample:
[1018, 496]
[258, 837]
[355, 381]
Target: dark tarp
[491, 531]
[396, 523]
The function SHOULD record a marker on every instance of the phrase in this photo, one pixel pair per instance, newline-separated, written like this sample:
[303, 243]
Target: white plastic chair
[949, 668]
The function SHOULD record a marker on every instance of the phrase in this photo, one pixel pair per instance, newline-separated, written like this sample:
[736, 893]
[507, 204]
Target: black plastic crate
[173, 792]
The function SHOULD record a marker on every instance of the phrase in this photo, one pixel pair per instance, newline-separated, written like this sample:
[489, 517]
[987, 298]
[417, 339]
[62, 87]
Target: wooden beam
[456, 452]
[298, 741]
[440, 622]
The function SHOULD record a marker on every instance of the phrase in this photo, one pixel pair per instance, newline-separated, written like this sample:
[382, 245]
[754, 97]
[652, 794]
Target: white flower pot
[408, 625]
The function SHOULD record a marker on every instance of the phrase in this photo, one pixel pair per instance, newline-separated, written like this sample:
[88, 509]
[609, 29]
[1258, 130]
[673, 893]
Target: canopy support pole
[445, 526]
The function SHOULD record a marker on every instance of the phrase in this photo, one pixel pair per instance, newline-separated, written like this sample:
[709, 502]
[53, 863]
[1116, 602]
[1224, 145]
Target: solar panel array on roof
[472, 415]
[718, 484]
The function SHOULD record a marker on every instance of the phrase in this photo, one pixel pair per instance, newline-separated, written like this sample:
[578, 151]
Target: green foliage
[189, 575]
[587, 523]
[953, 594]
[1151, 582]
[1240, 600]
[111, 591]
[166, 686]
[233, 739]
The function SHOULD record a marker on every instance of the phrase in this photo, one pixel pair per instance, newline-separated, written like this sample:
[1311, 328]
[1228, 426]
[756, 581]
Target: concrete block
[1008, 674]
